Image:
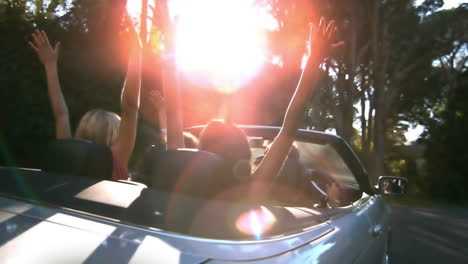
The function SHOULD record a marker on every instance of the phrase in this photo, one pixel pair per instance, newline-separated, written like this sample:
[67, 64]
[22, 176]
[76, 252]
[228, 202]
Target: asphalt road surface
[429, 235]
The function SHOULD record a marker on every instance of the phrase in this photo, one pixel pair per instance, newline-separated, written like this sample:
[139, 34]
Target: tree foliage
[91, 69]
[402, 65]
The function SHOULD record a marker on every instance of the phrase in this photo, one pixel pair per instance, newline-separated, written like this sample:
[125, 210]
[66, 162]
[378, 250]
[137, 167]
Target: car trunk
[35, 233]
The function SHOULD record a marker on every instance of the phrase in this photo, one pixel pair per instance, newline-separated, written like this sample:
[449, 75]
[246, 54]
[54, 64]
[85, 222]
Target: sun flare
[221, 40]
[134, 9]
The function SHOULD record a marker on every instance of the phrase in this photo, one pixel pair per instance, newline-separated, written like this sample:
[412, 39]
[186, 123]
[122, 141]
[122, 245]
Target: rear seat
[139, 206]
[78, 157]
[188, 171]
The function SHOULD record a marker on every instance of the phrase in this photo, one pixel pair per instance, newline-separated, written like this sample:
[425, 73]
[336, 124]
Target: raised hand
[130, 99]
[175, 136]
[320, 45]
[156, 99]
[151, 102]
[41, 45]
[153, 108]
[49, 56]
[321, 38]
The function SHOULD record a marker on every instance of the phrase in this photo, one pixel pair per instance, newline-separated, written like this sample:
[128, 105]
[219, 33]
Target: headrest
[188, 171]
[79, 157]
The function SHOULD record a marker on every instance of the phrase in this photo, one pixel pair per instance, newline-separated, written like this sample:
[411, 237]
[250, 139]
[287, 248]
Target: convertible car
[322, 208]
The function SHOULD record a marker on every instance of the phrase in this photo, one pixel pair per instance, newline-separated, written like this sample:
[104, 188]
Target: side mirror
[392, 185]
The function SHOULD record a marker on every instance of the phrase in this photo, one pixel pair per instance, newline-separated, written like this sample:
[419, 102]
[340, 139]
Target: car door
[374, 228]
[360, 222]
[348, 242]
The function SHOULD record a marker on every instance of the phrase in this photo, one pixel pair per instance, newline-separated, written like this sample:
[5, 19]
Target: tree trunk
[377, 163]
[363, 122]
[370, 129]
[379, 136]
[347, 121]
[350, 82]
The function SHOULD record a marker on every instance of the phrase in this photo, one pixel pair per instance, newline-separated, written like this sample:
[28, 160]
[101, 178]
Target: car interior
[78, 157]
[183, 191]
[136, 204]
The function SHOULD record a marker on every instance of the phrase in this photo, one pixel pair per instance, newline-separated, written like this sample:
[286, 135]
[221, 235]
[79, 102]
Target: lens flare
[222, 40]
[256, 222]
[134, 9]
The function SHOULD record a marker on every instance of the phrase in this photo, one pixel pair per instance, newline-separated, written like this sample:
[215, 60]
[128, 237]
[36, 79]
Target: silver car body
[32, 232]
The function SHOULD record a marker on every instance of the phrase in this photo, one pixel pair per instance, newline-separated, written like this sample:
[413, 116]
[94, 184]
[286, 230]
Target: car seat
[78, 157]
[188, 171]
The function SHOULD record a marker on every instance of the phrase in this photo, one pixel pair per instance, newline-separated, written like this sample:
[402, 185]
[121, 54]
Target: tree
[91, 67]
[446, 154]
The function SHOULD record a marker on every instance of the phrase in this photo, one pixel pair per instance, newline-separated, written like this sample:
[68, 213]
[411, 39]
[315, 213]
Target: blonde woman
[97, 125]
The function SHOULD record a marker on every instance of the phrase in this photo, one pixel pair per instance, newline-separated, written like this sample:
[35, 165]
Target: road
[429, 235]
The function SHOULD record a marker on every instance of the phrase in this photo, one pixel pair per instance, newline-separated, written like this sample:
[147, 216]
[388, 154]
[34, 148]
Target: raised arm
[48, 57]
[175, 129]
[173, 107]
[320, 41]
[153, 102]
[130, 102]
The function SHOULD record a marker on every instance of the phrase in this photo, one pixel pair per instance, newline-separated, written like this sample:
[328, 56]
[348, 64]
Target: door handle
[376, 231]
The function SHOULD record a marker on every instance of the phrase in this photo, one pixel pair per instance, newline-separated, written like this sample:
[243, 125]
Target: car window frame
[341, 146]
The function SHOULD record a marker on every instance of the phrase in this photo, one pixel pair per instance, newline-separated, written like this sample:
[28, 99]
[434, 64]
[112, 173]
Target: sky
[447, 3]
[452, 3]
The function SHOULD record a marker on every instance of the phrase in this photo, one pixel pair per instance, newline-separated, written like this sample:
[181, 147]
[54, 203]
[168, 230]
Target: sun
[134, 9]
[223, 41]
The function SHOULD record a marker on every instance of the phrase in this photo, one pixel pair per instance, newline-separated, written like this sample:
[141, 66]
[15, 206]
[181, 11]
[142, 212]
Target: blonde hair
[99, 126]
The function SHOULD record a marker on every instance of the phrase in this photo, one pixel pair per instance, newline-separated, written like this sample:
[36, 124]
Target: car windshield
[313, 156]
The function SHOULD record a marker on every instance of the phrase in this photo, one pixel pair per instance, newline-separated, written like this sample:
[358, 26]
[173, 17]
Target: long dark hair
[231, 143]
